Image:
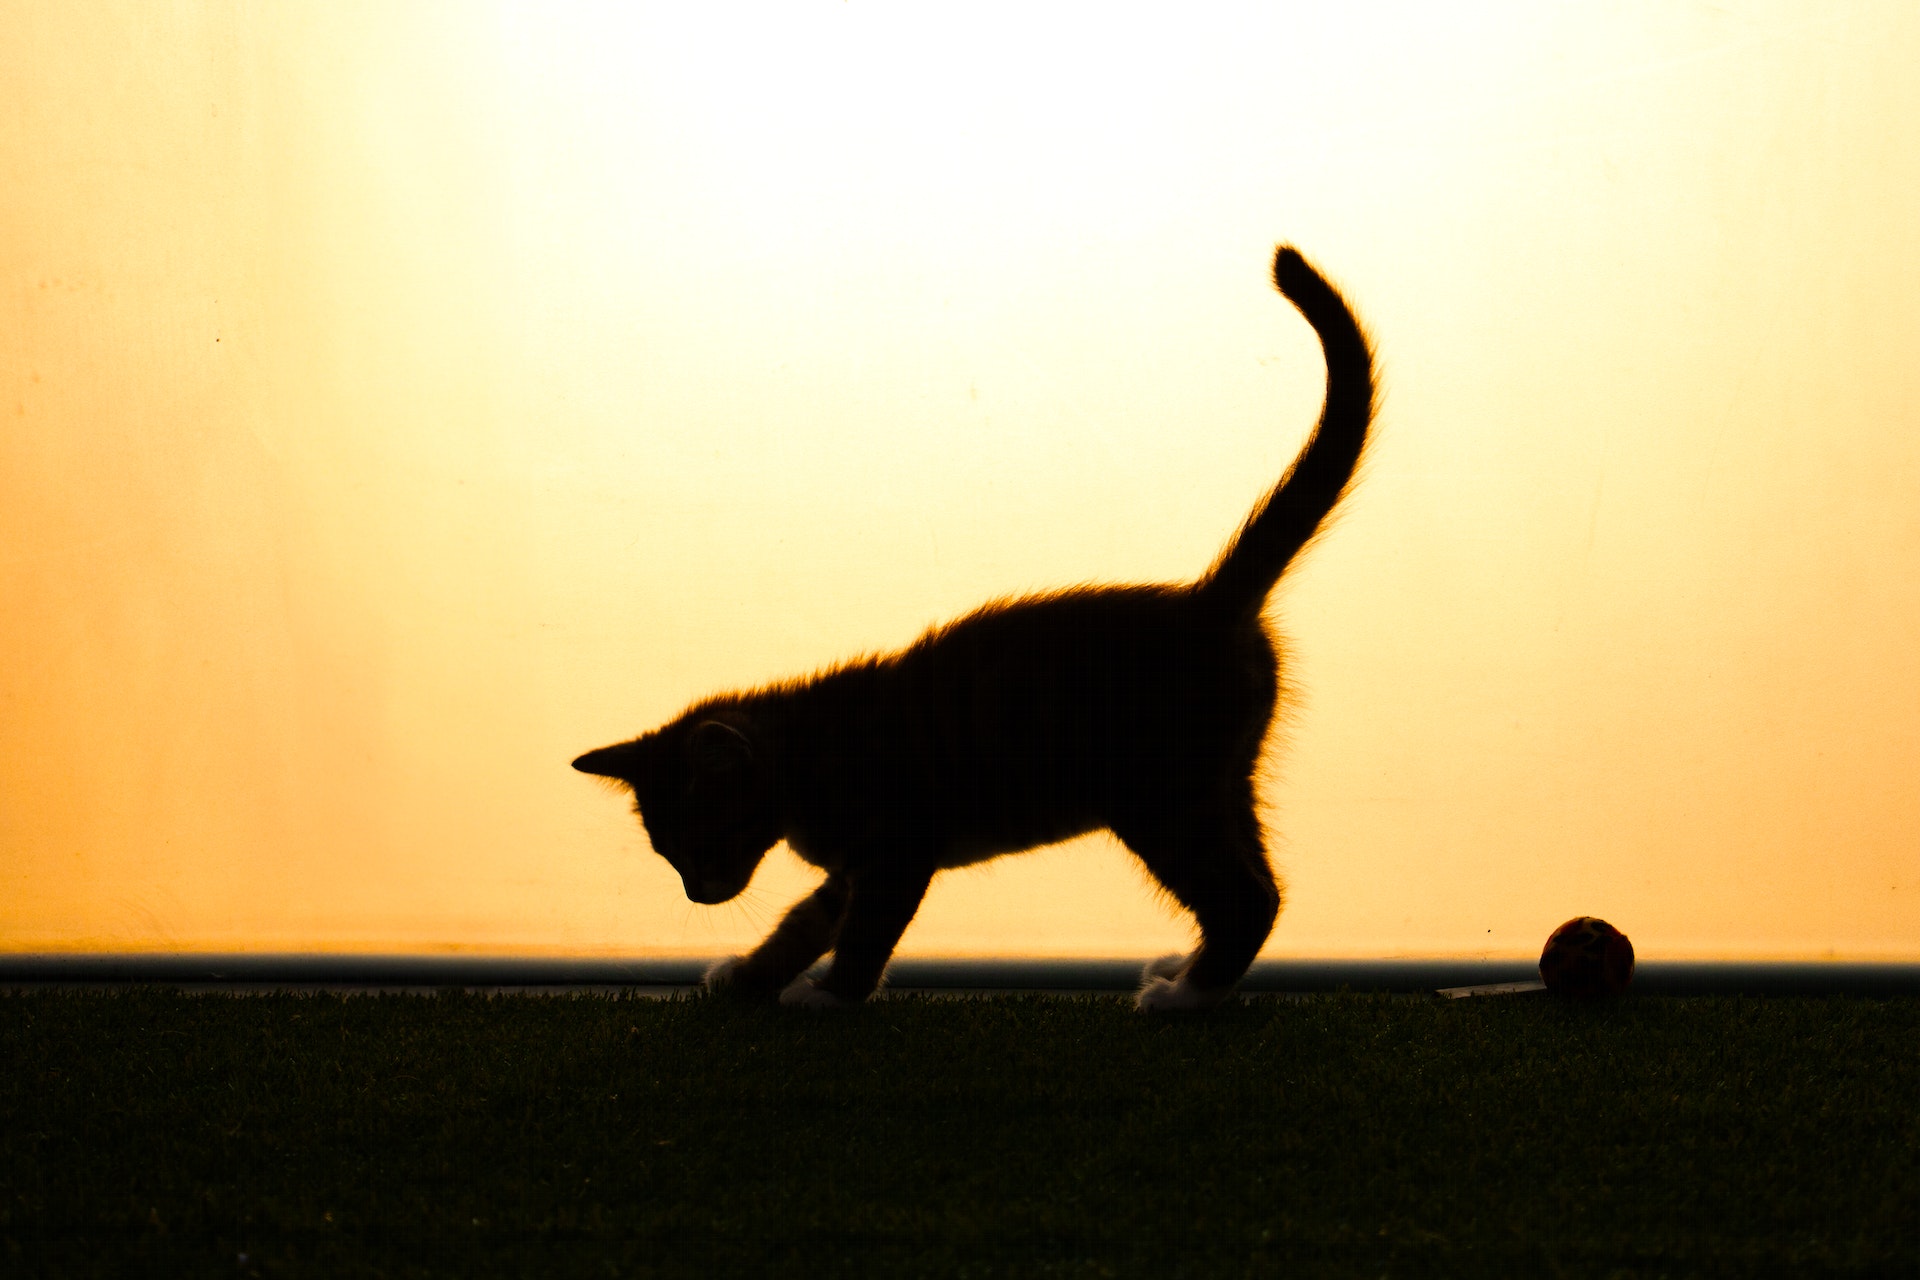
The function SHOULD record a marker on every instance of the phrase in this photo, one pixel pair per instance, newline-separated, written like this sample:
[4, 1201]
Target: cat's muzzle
[710, 891]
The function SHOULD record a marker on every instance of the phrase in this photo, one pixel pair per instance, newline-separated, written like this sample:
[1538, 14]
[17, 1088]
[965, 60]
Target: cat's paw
[1168, 967]
[719, 976]
[806, 994]
[734, 979]
[1177, 995]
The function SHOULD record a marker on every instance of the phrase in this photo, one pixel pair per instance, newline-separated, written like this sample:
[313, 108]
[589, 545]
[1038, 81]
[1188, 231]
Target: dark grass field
[155, 1132]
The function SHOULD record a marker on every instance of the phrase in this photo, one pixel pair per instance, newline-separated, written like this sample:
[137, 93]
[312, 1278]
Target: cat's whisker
[756, 906]
[746, 909]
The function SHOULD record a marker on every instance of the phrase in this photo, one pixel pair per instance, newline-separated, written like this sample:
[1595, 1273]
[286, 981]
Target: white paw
[721, 974]
[804, 994]
[1165, 967]
[1176, 995]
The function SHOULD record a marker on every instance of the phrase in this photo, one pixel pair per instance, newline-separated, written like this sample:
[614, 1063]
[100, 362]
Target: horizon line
[1299, 975]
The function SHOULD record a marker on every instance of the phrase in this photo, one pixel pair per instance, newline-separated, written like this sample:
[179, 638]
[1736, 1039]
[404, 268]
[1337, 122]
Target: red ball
[1586, 957]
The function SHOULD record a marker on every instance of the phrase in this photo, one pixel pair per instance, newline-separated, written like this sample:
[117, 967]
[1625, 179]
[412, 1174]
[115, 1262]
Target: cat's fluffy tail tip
[1290, 270]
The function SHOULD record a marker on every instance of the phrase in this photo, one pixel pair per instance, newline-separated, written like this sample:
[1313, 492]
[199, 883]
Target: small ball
[1586, 958]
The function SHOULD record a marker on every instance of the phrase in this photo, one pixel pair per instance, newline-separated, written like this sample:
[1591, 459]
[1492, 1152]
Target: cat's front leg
[802, 936]
[880, 904]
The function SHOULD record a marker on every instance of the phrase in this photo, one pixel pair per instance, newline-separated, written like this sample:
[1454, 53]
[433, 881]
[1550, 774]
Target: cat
[1138, 709]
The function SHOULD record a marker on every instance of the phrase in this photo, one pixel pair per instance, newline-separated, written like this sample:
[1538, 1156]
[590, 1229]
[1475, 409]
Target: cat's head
[704, 791]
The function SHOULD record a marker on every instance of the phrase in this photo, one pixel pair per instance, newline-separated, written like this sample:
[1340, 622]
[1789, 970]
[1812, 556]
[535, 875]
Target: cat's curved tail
[1288, 518]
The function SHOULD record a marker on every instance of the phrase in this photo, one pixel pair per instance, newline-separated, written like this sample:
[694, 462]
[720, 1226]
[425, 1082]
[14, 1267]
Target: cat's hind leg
[1168, 966]
[802, 936]
[1211, 858]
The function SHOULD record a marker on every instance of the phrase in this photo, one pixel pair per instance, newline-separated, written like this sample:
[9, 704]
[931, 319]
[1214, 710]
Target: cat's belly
[964, 853]
[950, 851]
[966, 850]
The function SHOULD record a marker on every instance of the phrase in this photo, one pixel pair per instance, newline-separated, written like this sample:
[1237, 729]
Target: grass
[150, 1131]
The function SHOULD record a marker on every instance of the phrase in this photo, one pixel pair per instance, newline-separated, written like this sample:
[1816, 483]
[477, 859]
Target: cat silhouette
[1138, 709]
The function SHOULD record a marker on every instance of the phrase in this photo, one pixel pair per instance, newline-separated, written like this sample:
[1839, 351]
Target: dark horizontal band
[1662, 977]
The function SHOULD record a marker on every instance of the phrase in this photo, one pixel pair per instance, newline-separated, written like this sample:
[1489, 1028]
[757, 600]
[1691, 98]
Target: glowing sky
[401, 399]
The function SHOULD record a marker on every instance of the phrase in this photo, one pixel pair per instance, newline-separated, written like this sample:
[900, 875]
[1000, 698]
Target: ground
[1340, 1135]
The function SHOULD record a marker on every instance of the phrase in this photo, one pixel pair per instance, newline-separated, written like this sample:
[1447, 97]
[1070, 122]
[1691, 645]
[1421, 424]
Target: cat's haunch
[1139, 709]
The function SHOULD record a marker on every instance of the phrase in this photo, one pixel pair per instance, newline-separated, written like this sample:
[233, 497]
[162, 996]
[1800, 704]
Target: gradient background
[403, 398]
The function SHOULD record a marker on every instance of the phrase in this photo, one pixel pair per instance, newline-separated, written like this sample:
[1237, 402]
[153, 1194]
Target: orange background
[400, 399]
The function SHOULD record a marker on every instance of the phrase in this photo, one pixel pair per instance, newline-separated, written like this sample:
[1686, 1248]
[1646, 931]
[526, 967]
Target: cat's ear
[717, 749]
[622, 761]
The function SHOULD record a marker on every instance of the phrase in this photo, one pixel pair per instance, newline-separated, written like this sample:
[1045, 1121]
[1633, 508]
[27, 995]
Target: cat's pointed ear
[717, 748]
[622, 761]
